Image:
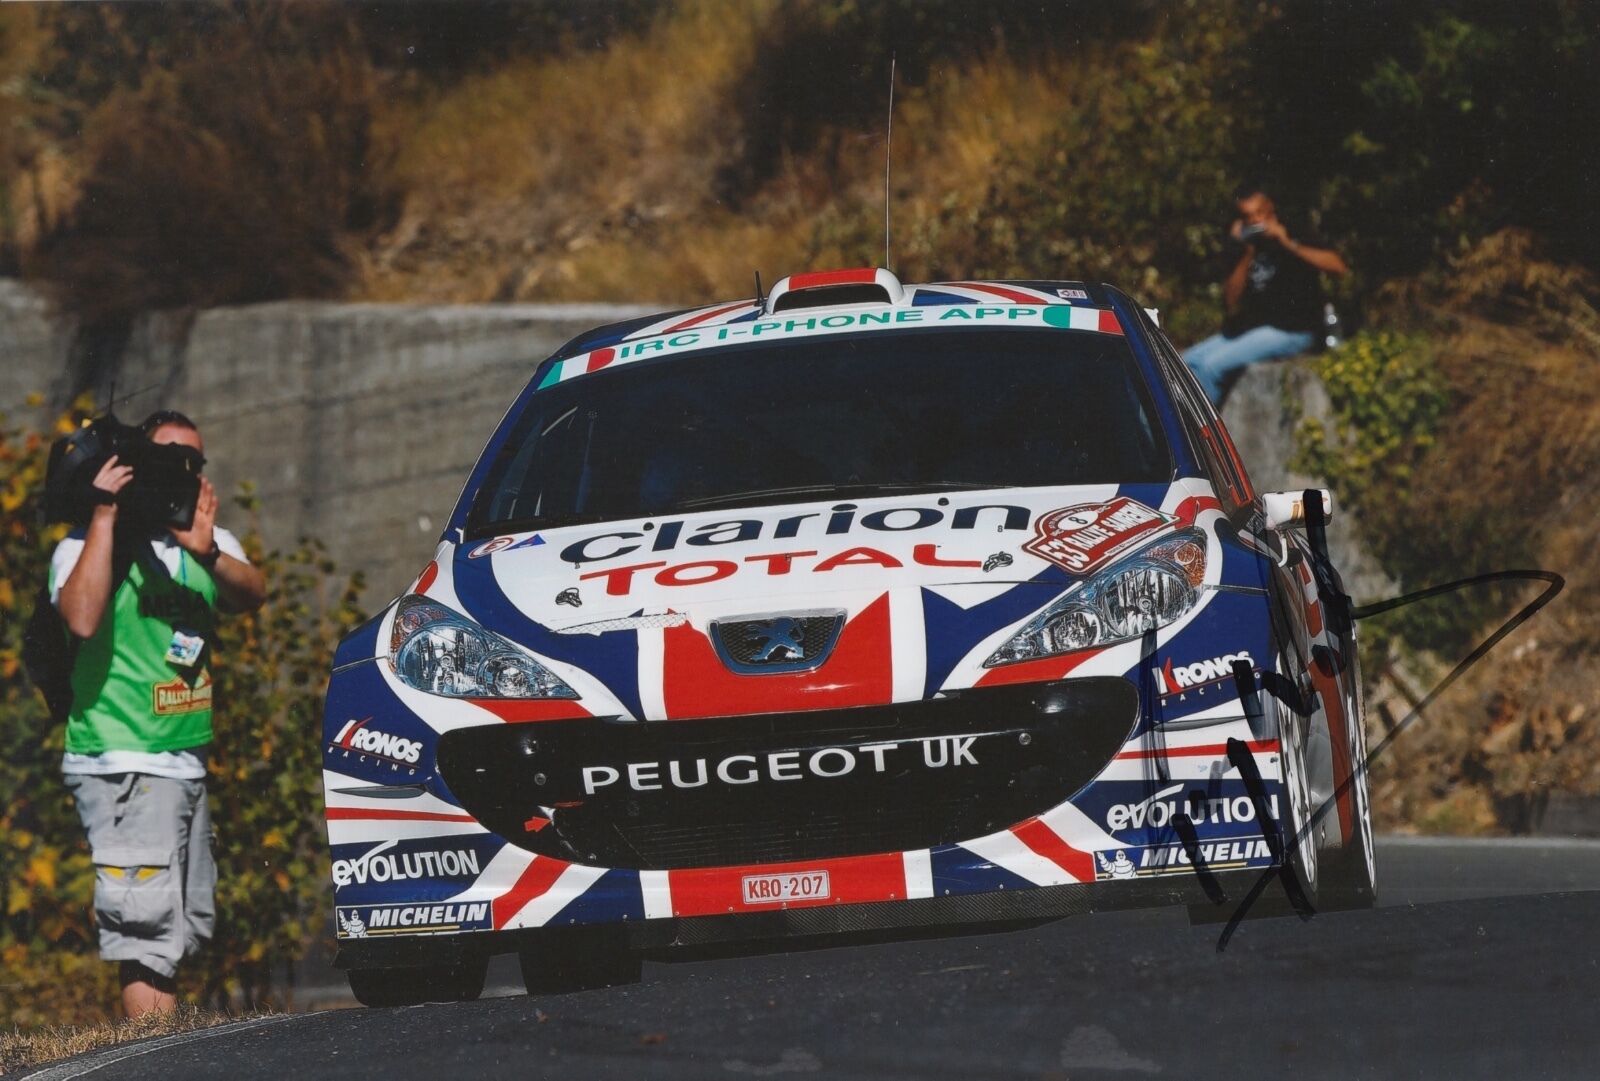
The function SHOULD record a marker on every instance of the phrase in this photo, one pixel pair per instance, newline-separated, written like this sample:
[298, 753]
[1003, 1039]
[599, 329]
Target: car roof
[975, 292]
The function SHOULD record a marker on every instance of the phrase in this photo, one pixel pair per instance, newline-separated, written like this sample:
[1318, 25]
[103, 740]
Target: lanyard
[183, 563]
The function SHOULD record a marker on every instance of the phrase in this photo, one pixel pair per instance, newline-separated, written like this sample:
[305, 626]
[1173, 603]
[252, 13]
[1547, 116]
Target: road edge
[90, 1061]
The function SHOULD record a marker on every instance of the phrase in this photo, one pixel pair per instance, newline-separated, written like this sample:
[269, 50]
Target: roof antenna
[761, 296]
[888, 141]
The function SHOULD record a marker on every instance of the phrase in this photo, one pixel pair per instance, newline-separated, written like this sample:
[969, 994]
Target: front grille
[786, 643]
[773, 788]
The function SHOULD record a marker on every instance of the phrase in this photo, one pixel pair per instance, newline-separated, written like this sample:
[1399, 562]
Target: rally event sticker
[1088, 536]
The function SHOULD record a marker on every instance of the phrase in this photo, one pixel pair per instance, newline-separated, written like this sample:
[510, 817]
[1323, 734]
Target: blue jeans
[1216, 356]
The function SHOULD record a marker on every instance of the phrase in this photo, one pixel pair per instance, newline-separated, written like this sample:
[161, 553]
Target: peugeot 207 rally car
[856, 608]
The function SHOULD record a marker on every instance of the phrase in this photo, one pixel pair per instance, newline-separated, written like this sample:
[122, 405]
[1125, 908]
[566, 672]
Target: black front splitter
[687, 937]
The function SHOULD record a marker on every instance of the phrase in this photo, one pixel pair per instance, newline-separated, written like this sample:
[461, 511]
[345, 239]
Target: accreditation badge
[185, 648]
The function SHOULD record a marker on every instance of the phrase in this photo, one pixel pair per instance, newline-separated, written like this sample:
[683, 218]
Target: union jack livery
[858, 609]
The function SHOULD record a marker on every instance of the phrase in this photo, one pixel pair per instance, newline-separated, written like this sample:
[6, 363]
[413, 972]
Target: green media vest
[126, 696]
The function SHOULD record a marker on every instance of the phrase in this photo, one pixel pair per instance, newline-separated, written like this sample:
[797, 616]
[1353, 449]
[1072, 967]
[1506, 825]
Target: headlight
[1142, 593]
[442, 652]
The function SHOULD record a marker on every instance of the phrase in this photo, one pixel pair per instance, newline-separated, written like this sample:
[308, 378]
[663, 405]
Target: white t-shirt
[187, 765]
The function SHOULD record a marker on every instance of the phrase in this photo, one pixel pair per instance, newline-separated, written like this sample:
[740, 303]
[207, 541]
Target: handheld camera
[166, 476]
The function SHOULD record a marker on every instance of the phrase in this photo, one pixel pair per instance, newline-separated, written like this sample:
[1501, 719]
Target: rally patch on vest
[176, 696]
[1085, 537]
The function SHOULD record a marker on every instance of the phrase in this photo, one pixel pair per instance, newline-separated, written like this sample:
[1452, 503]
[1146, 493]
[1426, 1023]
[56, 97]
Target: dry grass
[512, 172]
[21, 1050]
[605, 174]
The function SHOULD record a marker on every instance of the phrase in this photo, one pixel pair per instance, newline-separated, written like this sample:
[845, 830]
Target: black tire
[459, 982]
[1349, 875]
[554, 970]
[1348, 884]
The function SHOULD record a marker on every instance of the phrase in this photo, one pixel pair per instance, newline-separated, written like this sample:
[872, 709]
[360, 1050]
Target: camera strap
[126, 550]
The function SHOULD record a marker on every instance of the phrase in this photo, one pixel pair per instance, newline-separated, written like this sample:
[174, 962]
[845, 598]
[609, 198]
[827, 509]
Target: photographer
[142, 599]
[1273, 295]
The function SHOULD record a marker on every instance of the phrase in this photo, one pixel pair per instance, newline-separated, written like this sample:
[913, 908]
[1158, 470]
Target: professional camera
[162, 494]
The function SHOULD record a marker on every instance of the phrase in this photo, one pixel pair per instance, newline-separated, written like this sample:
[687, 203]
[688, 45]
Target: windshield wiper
[838, 490]
[557, 521]
[505, 526]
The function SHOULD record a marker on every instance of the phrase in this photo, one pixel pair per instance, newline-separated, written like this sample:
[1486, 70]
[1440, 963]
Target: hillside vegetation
[210, 153]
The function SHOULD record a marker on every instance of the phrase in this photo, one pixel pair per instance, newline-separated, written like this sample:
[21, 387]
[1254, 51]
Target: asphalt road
[1484, 961]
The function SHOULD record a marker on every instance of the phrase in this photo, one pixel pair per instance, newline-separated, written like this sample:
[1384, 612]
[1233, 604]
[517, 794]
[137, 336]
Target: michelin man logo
[352, 925]
[1121, 867]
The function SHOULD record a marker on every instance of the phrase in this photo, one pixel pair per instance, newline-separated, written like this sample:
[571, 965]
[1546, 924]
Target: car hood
[921, 584]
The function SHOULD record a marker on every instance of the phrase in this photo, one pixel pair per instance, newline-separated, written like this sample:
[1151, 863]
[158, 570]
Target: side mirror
[1292, 510]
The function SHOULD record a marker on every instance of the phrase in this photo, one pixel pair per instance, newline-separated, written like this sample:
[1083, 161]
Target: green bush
[1387, 399]
[265, 785]
[1137, 183]
[1419, 128]
[46, 926]
[1389, 402]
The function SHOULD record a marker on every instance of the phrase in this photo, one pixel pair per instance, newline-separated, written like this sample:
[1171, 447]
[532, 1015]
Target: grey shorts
[150, 838]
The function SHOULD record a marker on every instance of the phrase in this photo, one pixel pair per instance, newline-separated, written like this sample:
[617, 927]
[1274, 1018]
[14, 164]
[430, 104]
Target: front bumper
[500, 847]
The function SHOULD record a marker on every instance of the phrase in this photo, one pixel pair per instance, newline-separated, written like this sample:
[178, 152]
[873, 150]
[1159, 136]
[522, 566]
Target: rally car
[854, 609]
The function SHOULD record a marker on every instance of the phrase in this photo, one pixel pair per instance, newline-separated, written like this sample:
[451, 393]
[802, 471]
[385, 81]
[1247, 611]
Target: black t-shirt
[1281, 289]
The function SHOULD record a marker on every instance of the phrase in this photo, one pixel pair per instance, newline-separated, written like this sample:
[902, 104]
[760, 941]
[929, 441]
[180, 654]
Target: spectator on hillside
[140, 719]
[1273, 295]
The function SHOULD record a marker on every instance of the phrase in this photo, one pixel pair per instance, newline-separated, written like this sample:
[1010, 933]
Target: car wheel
[459, 982]
[1299, 840]
[1349, 876]
[552, 970]
[1294, 815]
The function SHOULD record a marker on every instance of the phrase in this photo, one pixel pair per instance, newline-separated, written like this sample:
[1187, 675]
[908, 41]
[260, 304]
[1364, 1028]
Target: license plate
[772, 889]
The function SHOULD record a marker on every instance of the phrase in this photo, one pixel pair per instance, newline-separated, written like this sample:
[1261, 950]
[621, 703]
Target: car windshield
[849, 416]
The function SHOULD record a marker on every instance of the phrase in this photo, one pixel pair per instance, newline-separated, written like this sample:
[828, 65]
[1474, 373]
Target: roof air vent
[825, 288]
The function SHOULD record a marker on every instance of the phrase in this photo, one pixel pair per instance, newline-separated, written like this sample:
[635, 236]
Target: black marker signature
[1342, 614]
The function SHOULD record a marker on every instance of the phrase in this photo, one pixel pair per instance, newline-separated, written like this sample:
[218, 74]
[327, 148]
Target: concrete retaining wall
[1261, 412]
[356, 422]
